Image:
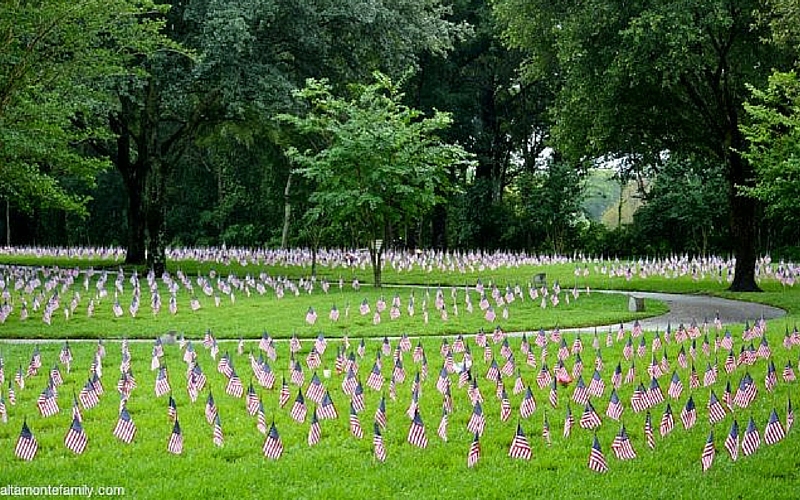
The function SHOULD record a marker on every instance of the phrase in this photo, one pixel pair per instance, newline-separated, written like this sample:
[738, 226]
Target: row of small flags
[48, 406]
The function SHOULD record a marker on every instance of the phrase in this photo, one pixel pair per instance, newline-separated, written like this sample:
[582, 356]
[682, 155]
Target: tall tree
[376, 163]
[56, 57]
[647, 79]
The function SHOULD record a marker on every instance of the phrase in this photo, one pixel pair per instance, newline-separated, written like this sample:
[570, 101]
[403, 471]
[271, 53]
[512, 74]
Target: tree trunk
[743, 220]
[375, 258]
[134, 178]
[439, 227]
[8, 223]
[287, 211]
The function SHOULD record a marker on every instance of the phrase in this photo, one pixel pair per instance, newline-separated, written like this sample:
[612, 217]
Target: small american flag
[667, 422]
[355, 423]
[621, 446]
[648, 431]
[125, 429]
[520, 448]
[315, 431]
[380, 413]
[172, 408]
[378, 446]
[689, 414]
[273, 447]
[327, 410]
[175, 443]
[771, 379]
[48, 406]
[284, 395]
[675, 386]
[76, 439]
[162, 382]
[707, 457]
[3, 411]
[26, 446]
[505, 407]
[477, 420]
[716, 412]
[298, 411]
[580, 395]
[416, 433]
[596, 385]
[732, 441]
[211, 409]
[474, 453]
[252, 399]
[218, 437]
[614, 410]
[774, 431]
[569, 421]
[590, 419]
[235, 387]
[751, 440]
[789, 415]
[597, 461]
[528, 405]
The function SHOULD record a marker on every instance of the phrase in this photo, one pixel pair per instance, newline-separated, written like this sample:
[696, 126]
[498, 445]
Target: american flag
[88, 396]
[616, 378]
[327, 410]
[225, 366]
[196, 381]
[284, 395]
[553, 395]
[630, 375]
[19, 378]
[251, 402]
[313, 360]
[694, 380]
[475, 392]
[296, 376]
[639, 399]
[355, 423]
[65, 356]
[36, 362]
[218, 437]
[788, 372]
[789, 415]
[76, 439]
[716, 412]
[546, 431]
[528, 405]
[621, 446]
[654, 394]
[125, 429]
[3, 411]
[596, 385]
[298, 411]
[505, 407]
[357, 398]
[441, 431]
[416, 356]
[710, 375]
[614, 410]
[590, 419]
[175, 443]
[211, 409]
[235, 387]
[55, 377]
[162, 382]
[261, 419]
[265, 375]
[732, 441]
[48, 406]
[474, 453]
[26, 446]
[627, 350]
[377, 444]
[763, 349]
[380, 413]
[597, 461]
[416, 433]
[314, 431]
[727, 397]
[751, 440]
[707, 457]
[667, 422]
[477, 420]
[569, 421]
[675, 386]
[730, 362]
[689, 414]
[76, 409]
[172, 408]
[648, 431]
[315, 389]
[543, 379]
[580, 395]
[273, 447]
[399, 374]
[773, 432]
[520, 448]
[746, 392]
[771, 379]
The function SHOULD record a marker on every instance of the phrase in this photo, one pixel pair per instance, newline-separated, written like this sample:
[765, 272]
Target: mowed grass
[249, 316]
[341, 466]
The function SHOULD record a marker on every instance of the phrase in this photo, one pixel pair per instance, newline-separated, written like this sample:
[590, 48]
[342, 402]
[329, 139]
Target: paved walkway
[685, 308]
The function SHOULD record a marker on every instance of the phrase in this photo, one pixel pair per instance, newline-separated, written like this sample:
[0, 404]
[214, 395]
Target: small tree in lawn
[373, 162]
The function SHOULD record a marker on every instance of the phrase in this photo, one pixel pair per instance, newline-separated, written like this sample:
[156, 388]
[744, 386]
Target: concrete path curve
[683, 308]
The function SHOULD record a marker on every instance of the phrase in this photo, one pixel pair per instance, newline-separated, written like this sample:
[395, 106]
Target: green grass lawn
[343, 466]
